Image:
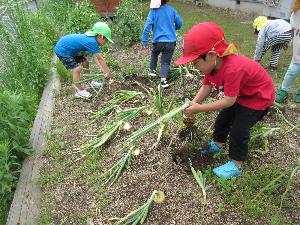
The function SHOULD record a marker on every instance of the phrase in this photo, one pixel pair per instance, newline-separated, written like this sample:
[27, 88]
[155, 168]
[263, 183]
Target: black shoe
[272, 68]
[164, 84]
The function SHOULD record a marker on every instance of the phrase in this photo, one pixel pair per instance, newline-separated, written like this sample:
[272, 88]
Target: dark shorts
[72, 62]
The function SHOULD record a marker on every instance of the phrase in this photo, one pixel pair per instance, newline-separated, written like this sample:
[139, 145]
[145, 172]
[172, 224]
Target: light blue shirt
[164, 21]
[70, 45]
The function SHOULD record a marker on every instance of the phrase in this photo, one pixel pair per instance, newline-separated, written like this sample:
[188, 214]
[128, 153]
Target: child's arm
[102, 65]
[259, 45]
[216, 105]
[178, 21]
[203, 92]
[147, 28]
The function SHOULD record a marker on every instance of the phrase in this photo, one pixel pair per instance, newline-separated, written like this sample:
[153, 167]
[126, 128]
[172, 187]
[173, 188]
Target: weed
[45, 216]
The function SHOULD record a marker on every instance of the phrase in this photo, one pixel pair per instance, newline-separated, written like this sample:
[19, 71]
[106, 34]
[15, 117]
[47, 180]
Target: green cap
[100, 28]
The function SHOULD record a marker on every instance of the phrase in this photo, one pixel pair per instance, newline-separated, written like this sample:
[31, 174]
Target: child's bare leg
[76, 77]
[86, 65]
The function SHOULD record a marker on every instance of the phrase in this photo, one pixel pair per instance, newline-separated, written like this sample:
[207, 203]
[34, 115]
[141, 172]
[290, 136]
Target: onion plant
[118, 98]
[86, 77]
[158, 101]
[139, 215]
[200, 179]
[106, 132]
[277, 106]
[263, 133]
[142, 131]
[115, 171]
[100, 141]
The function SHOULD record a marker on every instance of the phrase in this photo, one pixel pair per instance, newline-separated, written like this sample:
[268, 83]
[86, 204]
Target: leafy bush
[16, 116]
[26, 51]
[8, 177]
[81, 17]
[128, 23]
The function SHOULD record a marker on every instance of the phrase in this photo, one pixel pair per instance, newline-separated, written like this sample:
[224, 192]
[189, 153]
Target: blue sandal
[211, 148]
[228, 170]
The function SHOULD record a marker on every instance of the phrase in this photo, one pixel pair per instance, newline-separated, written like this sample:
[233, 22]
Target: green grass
[240, 193]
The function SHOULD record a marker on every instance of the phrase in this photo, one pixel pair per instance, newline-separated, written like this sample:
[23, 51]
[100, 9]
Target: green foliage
[26, 51]
[81, 16]
[4, 207]
[8, 175]
[128, 23]
[16, 116]
[241, 192]
[201, 181]
[261, 133]
[63, 73]
[139, 215]
[69, 16]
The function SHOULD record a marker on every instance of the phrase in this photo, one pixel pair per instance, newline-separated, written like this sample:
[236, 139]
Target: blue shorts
[72, 62]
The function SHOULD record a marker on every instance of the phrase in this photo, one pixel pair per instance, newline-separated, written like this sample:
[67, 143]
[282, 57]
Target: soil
[165, 167]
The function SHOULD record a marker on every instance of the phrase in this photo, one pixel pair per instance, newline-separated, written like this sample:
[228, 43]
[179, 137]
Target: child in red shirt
[248, 92]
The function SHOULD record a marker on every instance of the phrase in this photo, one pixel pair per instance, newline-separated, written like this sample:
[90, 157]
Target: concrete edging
[25, 207]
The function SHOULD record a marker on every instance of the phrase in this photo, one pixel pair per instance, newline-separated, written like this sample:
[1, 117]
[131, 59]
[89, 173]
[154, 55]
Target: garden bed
[73, 181]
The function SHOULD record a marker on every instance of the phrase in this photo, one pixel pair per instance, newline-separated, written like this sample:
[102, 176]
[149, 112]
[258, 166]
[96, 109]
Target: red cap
[201, 39]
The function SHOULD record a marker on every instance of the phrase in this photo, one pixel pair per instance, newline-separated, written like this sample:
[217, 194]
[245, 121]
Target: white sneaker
[152, 74]
[82, 94]
[164, 84]
[95, 84]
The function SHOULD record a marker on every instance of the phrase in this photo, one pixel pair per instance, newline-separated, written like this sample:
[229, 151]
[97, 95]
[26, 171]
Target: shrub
[8, 177]
[16, 116]
[26, 51]
[81, 17]
[128, 23]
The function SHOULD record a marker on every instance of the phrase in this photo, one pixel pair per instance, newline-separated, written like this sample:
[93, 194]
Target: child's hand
[191, 109]
[145, 47]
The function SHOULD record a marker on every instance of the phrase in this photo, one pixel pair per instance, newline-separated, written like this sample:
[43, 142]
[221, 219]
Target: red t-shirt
[242, 77]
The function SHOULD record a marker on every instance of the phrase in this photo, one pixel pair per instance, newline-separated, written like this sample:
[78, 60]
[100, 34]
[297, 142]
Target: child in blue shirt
[70, 50]
[163, 21]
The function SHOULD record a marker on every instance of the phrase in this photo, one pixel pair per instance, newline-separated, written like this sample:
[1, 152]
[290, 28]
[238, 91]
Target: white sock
[163, 79]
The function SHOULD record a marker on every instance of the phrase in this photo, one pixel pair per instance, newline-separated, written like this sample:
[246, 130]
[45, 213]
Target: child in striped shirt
[272, 34]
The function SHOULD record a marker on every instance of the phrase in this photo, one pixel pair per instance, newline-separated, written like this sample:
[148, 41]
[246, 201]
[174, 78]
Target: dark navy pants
[166, 49]
[236, 120]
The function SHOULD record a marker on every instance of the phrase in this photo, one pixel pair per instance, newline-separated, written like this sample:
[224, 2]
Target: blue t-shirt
[70, 45]
[164, 22]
